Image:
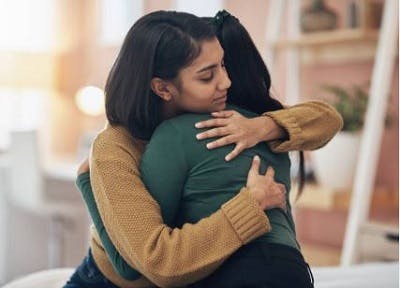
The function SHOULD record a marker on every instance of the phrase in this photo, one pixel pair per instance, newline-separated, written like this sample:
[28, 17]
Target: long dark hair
[158, 45]
[251, 81]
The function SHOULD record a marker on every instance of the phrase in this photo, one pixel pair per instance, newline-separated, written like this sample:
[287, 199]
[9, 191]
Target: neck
[169, 110]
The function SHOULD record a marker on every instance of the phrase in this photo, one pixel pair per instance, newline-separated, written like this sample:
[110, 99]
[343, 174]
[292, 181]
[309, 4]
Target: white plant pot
[335, 163]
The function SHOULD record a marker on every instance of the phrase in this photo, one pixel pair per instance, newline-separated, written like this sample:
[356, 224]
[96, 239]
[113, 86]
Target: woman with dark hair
[145, 84]
[190, 182]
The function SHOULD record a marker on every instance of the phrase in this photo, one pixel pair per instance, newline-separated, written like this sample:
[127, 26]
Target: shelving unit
[322, 214]
[335, 46]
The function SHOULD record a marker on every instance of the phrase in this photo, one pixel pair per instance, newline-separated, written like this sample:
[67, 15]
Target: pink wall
[153, 5]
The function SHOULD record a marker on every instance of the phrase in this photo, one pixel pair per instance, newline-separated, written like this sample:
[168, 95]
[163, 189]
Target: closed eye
[207, 78]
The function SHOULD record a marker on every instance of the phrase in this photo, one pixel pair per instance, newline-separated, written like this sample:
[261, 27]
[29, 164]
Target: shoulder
[187, 119]
[182, 124]
[115, 140]
[243, 111]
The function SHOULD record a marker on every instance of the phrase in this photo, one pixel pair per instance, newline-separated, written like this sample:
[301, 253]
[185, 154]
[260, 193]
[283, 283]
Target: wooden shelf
[335, 47]
[334, 37]
[321, 217]
[322, 198]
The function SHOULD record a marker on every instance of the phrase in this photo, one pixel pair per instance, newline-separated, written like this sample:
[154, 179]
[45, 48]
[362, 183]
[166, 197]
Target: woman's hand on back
[268, 193]
[234, 128]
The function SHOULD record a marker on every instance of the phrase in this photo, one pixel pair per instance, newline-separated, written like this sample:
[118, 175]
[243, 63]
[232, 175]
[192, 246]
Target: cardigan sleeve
[118, 263]
[135, 226]
[310, 126]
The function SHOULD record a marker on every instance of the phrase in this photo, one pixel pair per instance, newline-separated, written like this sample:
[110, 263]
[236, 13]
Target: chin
[219, 107]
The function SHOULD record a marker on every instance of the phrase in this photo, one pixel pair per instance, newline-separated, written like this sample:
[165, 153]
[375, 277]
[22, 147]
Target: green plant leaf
[350, 103]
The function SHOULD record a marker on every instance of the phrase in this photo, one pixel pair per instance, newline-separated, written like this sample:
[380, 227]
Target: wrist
[270, 130]
[257, 194]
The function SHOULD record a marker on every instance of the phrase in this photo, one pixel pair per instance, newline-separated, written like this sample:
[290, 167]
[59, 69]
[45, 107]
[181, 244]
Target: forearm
[105, 266]
[269, 130]
[309, 125]
[118, 263]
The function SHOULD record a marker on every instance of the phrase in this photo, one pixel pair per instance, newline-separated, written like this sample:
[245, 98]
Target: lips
[221, 99]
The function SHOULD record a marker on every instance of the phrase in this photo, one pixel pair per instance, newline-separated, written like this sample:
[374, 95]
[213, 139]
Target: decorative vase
[318, 17]
[335, 163]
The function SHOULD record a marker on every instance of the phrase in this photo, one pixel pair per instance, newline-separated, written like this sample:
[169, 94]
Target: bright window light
[27, 25]
[116, 19]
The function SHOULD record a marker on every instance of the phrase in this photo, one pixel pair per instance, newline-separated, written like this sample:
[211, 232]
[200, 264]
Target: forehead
[211, 53]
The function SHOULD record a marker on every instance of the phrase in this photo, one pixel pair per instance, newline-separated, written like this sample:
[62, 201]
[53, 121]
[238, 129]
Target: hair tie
[219, 18]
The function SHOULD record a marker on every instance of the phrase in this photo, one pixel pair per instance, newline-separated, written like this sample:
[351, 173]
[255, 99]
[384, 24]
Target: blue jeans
[88, 275]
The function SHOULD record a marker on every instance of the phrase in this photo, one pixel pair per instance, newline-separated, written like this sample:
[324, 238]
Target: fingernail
[198, 136]
[209, 145]
[227, 158]
[197, 125]
[257, 158]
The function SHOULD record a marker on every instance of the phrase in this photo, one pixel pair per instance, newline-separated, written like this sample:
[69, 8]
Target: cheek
[199, 94]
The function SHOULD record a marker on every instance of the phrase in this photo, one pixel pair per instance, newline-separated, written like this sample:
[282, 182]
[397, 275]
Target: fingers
[270, 172]
[212, 123]
[223, 114]
[221, 142]
[282, 188]
[283, 206]
[216, 132]
[255, 165]
[235, 152]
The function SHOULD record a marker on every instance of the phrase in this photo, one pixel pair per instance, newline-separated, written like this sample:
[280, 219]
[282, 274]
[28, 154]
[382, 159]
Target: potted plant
[335, 163]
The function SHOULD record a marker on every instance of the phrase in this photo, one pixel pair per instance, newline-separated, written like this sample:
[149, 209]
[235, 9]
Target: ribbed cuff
[246, 216]
[289, 123]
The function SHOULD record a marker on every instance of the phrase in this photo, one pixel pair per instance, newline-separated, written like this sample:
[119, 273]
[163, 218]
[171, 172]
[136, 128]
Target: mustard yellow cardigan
[175, 257]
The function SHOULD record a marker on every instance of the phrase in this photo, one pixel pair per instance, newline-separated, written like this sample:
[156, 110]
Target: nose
[224, 82]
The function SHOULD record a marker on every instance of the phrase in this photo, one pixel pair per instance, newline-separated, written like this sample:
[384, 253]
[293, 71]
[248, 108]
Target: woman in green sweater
[126, 217]
[190, 182]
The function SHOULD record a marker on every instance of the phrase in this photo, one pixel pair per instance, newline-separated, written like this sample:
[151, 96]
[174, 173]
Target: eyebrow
[209, 67]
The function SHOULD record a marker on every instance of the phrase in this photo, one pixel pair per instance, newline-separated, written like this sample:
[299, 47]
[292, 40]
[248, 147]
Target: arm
[133, 220]
[310, 126]
[118, 263]
[306, 126]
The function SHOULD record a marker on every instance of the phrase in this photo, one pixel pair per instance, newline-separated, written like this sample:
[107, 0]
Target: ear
[164, 89]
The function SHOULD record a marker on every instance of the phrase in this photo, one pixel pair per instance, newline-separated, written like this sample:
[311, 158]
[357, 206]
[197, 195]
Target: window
[27, 25]
[116, 19]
